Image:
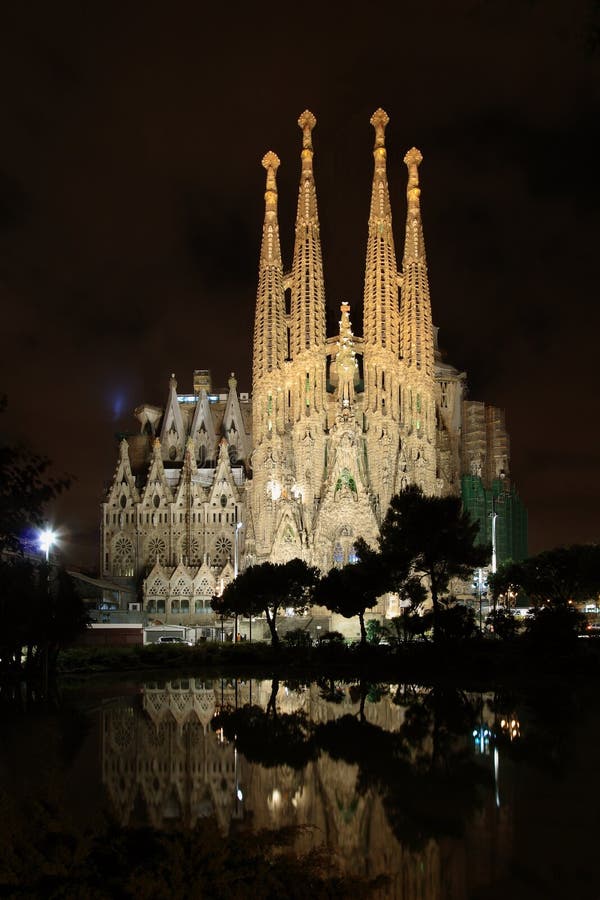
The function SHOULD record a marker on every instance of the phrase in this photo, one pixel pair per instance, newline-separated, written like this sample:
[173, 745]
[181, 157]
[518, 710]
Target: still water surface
[408, 792]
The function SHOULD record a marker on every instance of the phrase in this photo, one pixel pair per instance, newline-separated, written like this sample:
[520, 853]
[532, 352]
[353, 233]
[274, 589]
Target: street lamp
[46, 539]
[494, 516]
[238, 528]
[236, 555]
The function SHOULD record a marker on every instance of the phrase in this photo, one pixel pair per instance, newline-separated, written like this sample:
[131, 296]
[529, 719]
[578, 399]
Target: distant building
[334, 426]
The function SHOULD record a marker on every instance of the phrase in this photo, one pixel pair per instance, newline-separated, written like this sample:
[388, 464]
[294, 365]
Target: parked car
[173, 639]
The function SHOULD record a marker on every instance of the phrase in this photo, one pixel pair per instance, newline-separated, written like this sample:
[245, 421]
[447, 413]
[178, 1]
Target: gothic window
[232, 454]
[173, 453]
[352, 556]
[223, 549]
[289, 536]
[123, 557]
[182, 588]
[201, 454]
[444, 401]
[205, 588]
[338, 555]
[123, 501]
[158, 588]
[156, 501]
[157, 549]
[193, 555]
[223, 500]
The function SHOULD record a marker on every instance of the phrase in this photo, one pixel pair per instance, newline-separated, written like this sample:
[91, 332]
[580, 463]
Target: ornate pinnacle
[379, 120]
[413, 157]
[307, 122]
[270, 162]
[413, 160]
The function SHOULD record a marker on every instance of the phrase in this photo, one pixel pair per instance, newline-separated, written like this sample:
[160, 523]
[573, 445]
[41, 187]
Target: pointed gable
[172, 435]
[157, 493]
[233, 425]
[123, 491]
[224, 492]
[204, 581]
[181, 582]
[156, 585]
[202, 430]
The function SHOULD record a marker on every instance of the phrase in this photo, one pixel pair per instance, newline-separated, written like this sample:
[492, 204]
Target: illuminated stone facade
[334, 427]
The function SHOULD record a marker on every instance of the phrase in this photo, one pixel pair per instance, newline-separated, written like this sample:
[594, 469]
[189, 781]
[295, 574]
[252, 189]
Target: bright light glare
[46, 539]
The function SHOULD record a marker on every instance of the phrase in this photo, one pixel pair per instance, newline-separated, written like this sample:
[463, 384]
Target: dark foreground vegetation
[475, 663]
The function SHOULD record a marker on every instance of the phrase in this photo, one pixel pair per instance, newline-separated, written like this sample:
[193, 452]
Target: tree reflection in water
[232, 788]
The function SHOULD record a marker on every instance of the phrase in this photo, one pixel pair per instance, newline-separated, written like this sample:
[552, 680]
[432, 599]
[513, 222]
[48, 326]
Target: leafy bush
[330, 638]
[298, 637]
[551, 625]
[456, 623]
[503, 623]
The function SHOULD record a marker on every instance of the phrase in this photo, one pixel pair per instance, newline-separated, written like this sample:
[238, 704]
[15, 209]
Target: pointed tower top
[232, 382]
[307, 303]
[307, 122]
[124, 449]
[379, 120]
[413, 160]
[269, 333]
[380, 318]
[271, 163]
[416, 332]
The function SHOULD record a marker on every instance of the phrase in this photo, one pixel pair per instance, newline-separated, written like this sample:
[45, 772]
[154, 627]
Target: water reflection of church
[164, 764]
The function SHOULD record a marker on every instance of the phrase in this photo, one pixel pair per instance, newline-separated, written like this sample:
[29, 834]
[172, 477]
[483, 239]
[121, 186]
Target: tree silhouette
[268, 588]
[431, 538]
[26, 487]
[353, 589]
[557, 576]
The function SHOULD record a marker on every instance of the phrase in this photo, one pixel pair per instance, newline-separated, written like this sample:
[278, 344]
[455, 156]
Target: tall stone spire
[269, 335]
[416, 332]
[308, 287]
[381, 316]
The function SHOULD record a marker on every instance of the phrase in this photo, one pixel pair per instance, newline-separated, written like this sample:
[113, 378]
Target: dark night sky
[131, 203]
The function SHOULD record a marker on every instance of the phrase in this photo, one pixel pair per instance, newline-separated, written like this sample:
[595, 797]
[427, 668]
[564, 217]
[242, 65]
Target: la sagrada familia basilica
[335, 425]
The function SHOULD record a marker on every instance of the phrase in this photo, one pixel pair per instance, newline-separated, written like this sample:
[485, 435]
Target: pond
[236, 788]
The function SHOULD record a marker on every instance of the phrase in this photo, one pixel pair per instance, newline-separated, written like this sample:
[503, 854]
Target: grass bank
[470, 663]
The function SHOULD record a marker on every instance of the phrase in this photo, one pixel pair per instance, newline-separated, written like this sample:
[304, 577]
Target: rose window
[123, 557]
[157, 549]
[194, 556]
[223, 548]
